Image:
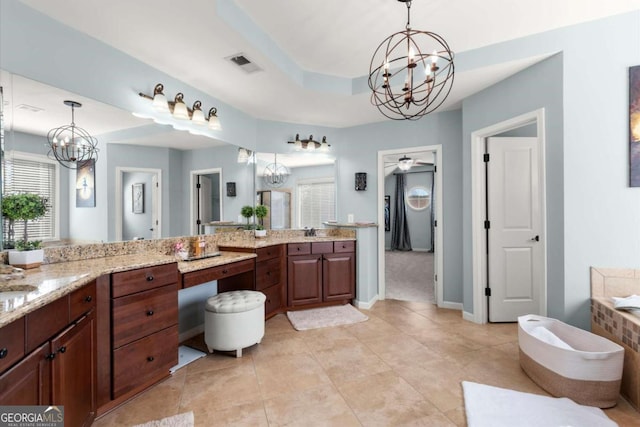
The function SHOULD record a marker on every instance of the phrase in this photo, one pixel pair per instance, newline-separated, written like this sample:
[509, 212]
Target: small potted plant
[247, 212]
[24, 207]
[260, 211]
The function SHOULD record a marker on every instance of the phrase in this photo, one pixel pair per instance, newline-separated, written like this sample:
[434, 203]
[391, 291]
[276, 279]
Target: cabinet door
[338, 276]
[29, 382]
[304, 277]
[74, 384]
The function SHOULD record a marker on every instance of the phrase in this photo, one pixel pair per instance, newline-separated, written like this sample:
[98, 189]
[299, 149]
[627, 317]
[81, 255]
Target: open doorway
[410, 231]
[138, 203]
[206, 198]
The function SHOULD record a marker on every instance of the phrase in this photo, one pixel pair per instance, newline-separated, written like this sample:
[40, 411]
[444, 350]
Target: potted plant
[260, 211]
[247, 212]
[24, 207]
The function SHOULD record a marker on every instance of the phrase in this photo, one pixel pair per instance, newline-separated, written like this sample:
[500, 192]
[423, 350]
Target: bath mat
[181, 420]
[323, 317]
[496, 407]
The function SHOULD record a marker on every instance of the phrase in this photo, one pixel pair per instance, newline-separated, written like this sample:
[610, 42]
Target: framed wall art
[231, 189]
[387, 213]
[634, 126]
[361, 181]
[137, 198]
[85, 184]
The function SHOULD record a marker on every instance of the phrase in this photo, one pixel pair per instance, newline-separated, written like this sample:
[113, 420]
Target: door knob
[535, 239]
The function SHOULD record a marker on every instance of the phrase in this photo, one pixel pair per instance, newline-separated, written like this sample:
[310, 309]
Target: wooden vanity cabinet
[60, 367]
[320, 273]
[270, 276]
[144, 325]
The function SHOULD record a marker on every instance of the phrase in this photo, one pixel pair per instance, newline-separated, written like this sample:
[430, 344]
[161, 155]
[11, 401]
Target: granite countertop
[52, 281]
[263, 242]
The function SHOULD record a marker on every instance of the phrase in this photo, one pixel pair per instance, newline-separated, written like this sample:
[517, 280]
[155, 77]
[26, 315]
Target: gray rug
[409, 276]
[325, 316]
[181, 420]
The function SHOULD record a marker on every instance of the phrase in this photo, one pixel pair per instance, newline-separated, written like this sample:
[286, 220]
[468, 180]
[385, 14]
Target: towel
[488, 406]
[630, 304]
[545, 335]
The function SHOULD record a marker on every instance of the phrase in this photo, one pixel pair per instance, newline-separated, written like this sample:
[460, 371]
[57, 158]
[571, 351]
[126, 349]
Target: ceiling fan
[405, 163]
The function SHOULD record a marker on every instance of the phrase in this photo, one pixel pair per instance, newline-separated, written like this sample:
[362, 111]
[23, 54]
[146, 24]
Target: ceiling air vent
[244, 63]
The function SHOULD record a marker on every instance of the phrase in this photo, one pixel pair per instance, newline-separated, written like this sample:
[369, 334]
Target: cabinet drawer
[11, 343]
[82, 300]
[322, 247]
[43, 323]
[216, 273]
[346, 246]
[267, 273]
[141, 279]
[274, 299]
[144, 360]
[298, 248]
[268, 253]
[141, 314]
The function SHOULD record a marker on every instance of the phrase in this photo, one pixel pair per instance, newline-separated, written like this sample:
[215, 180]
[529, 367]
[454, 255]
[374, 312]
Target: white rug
[186, 355]
[181, 420]
[497, 407]
[325, 316]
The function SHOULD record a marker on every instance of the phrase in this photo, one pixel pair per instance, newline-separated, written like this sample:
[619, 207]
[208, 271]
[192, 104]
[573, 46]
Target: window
[316, 202]
[418, 198]
[30, 173]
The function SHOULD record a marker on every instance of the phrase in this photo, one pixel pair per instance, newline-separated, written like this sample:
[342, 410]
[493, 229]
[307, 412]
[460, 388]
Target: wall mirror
[132, 150]
[298, 189]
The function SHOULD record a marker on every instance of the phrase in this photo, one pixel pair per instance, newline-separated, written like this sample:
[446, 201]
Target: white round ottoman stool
[234, 320]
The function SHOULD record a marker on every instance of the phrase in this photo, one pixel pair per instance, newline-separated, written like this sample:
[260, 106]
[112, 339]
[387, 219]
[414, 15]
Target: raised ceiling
[314, 55]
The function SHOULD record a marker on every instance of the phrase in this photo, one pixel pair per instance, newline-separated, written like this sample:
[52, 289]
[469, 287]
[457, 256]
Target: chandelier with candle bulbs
[411, 73]
[70, 145]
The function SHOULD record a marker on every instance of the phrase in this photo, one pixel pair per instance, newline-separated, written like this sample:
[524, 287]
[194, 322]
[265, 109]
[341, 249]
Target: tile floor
[401, 367]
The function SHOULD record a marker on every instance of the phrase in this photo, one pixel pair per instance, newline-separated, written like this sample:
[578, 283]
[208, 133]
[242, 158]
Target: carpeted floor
[409, 276]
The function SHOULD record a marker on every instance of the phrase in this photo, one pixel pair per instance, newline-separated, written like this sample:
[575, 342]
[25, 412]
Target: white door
[155, 220]
[204, 201]
[514, 202]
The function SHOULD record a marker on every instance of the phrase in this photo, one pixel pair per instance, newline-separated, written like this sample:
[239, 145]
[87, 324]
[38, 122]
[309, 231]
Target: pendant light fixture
[71, 145]
[275, 174]
[411, 73]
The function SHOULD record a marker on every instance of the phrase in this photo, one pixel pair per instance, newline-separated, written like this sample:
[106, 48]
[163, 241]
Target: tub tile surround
[67, 268]
[619, 326]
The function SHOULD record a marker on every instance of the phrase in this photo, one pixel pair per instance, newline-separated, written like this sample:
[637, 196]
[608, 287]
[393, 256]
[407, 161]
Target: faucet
[309, 232]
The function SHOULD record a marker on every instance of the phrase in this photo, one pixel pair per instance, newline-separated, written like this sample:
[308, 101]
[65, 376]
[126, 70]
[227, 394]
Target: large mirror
[149, 180]
[298, 189]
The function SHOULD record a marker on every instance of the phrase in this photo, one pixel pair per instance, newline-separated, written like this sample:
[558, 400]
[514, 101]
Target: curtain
[400, 238]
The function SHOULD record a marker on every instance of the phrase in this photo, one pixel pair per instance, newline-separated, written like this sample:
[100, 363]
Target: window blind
[316, 203]
[22, 175]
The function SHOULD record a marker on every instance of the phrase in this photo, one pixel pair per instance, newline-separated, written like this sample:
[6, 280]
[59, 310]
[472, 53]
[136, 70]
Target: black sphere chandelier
[70, 145]
[275, 174]
[411, 73]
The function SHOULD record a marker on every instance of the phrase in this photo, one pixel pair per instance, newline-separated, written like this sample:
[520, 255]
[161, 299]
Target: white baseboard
[451, 305]
[183, 336]
[468, 316]
[420, 250]
[365, 305]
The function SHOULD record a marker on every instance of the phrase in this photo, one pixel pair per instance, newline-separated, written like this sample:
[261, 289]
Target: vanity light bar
[179, 110]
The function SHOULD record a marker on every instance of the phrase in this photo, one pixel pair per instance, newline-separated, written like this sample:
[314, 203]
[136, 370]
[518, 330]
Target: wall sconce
[245, 155]
[361, 181]
[310, 144]
[179, 110]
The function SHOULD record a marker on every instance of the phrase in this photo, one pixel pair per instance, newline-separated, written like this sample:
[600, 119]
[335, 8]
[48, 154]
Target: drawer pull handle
[268, 273]
[150, 278]
[150, 313]
[51, 356]
[3, 353]
[62, 349]
[150, 359]
[88, 298]
[225, 271]
[298, 249]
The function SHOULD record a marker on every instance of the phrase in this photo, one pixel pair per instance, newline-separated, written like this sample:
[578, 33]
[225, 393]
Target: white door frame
[192, 200]
[478, 202]
[439, 269]
[120, 171]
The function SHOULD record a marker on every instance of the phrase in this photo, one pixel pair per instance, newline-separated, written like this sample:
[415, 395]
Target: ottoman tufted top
[235, 301]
